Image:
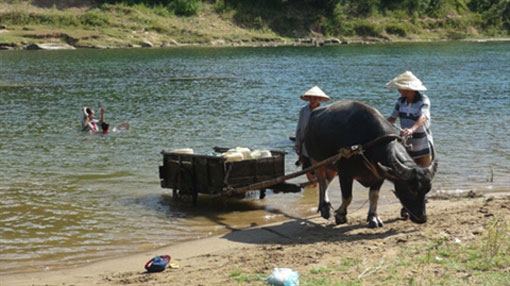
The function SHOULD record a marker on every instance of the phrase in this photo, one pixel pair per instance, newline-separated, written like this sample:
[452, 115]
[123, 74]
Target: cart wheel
[194, 198]
[175, 194]
[262, 194]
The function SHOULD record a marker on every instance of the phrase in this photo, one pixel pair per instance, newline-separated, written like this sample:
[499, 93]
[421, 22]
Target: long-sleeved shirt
[304, 116]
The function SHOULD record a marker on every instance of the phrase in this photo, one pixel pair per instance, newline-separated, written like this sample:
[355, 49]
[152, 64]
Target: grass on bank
[436, 261]
[388, 19]
[119, 23]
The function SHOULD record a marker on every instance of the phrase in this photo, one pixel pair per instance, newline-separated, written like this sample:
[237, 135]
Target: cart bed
[193, 174]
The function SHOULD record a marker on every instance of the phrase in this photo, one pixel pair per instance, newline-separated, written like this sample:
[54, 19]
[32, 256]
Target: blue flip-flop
[157, 264]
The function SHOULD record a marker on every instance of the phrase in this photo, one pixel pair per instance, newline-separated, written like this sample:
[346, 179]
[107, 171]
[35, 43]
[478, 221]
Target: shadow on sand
[307, 231]
[293, 230]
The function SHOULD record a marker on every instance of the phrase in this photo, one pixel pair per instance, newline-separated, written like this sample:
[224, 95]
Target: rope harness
[343, 153]
[382, 139]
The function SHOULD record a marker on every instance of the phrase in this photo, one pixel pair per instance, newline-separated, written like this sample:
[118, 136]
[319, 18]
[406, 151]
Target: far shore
[306, 42]
[66, 24]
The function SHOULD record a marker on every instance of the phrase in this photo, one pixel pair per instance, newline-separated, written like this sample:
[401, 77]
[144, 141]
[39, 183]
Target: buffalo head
[412, 182]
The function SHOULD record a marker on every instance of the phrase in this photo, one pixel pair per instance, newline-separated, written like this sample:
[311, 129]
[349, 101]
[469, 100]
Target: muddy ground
[350, 254]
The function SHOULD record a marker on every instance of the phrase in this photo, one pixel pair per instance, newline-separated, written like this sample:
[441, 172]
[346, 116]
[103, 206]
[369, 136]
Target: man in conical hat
[314, 97]
[413, 111]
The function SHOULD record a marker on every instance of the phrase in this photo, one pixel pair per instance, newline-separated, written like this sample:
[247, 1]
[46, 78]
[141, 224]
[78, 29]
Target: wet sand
[299, 243]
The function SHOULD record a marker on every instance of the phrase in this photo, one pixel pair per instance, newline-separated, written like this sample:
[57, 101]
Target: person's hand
[102, 110]
[406, 132]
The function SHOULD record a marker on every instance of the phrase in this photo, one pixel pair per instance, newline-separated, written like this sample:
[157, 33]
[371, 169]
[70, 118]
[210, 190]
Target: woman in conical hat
[314, 97]
[413, 111]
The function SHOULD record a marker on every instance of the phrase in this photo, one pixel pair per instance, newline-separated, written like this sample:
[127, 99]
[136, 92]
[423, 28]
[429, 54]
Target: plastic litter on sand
[174, 265]
[283, 277]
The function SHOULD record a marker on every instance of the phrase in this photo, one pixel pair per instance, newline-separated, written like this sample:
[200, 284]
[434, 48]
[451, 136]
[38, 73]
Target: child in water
[91, 125]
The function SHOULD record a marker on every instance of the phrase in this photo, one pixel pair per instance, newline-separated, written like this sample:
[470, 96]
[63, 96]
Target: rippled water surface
[67, 198]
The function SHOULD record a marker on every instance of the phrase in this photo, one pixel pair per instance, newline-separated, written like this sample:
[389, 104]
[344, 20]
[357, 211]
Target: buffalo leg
[373, 195]
[346, 188]
[324, 204]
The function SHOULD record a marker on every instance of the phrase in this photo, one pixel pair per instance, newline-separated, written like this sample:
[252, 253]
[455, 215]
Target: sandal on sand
[157, 264]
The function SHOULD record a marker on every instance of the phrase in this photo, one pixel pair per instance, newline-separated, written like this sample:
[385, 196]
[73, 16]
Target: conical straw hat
[406, 81]
[316, 92]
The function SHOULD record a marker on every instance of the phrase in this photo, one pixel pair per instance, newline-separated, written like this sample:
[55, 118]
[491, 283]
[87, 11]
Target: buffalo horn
[433, 166]
[387, 172]
[401, 170]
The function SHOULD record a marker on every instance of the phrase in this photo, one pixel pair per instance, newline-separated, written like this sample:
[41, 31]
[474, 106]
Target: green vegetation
[435, 261]
[375, 18]
[130, 22]
[241, 277]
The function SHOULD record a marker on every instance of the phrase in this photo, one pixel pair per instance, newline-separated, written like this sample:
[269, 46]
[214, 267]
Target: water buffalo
[348, 123]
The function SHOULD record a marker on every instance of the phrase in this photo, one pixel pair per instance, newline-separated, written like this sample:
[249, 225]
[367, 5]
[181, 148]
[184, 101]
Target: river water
[67, 198]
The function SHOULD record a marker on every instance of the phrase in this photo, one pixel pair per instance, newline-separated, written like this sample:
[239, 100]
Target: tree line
[356, 8]
[344, 17]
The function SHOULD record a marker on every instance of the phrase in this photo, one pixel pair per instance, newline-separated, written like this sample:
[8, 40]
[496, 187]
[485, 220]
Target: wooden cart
[193, 174]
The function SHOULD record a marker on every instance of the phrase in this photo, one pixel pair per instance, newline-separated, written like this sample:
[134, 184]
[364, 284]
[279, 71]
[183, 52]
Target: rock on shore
[50, 46]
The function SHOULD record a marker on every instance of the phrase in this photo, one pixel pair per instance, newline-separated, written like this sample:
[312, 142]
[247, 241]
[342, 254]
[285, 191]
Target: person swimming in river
[91, 125]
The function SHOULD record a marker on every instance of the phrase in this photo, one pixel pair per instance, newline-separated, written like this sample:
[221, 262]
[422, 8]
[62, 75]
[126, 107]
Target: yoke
[345, 152]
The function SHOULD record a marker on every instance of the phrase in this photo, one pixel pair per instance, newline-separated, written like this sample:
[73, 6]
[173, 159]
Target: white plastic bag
[283, 277]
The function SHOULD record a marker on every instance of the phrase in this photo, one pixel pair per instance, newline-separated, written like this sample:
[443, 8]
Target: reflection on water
[67, 198]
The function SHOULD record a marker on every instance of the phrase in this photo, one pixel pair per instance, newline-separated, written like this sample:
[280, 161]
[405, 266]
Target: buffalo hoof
[404, 214]
[374, 222]
[325, 210]
[340, 218]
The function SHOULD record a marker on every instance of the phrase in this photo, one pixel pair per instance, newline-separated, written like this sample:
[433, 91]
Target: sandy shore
[301, 244]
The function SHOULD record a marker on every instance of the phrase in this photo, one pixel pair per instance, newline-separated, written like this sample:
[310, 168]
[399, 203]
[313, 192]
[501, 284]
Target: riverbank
[41, 25]
[465, 241]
